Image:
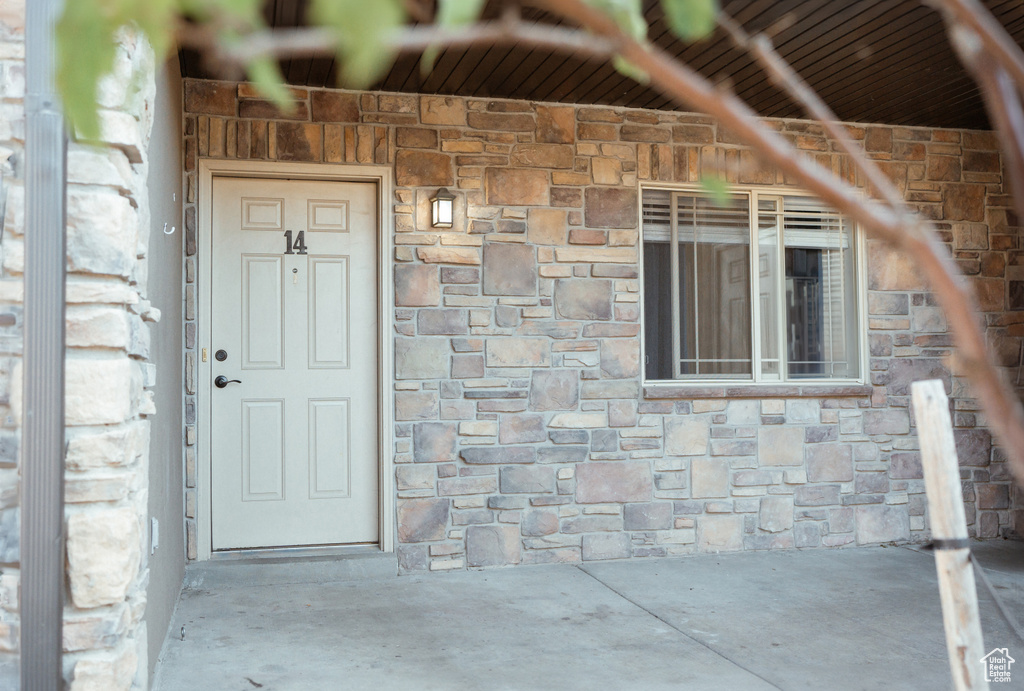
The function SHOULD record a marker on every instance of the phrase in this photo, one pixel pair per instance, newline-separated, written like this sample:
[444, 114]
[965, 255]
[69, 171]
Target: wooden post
[946, 511]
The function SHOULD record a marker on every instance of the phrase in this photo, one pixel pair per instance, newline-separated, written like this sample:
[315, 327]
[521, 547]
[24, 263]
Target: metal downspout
[42, 460]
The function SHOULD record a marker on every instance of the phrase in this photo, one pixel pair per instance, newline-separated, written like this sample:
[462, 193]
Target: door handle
[222, 381]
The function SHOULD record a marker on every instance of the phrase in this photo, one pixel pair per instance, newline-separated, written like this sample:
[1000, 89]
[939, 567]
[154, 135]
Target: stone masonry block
[905, 371]
[447, 322]
[493, 545]
[546, 226]
[598, 546]
[556, 124]
[102, 233]
[892, 270]
[494, 455]
[648, 516]
[522, 429]
[620, 358]
[467, 366]
[611, 207]
[906, 465]
[720, 533]
[780, 445]
[775, 513]
[421, 358]
[297, 141]
[743, 412]
[103, 553]
[519, 479]
[518, 352]
[537, 522]
[509, 269]
[542, 156]
[613, 481]
[554, 390]
[992, 496]
[416, 405]
[578, 421]
[963, 202]
[423, 169]
[622, 413]
[334, 106]
[415, 476]
[442, 110]
[516, 187]
[422, 520]
[973, 446]
[887, 421]
[686, 436]
[97, 391]
[709, 478]
[585, 299]
[829, 462]
[106, 447]
[111, 672]
[213, 98]
[882, 523]
[434, 442]
[416, 286]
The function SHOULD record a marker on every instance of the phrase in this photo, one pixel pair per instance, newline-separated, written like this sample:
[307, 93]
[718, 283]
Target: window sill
[689, 391]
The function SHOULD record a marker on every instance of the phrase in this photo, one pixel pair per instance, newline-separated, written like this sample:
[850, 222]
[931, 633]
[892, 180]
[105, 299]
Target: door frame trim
[379, 175]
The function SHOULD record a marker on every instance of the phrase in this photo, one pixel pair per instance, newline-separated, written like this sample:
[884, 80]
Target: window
[762, 287]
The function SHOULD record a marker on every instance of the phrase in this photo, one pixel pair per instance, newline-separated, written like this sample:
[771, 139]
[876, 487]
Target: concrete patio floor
[865, 618]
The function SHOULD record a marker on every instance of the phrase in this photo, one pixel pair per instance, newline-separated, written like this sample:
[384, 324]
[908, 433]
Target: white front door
[293, 436]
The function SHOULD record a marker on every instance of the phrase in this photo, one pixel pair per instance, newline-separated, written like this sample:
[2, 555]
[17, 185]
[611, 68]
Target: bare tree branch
[972, 14]
[1003, 410]
[783, 76]
[680, 83]
[310, 42]
[1002, 102]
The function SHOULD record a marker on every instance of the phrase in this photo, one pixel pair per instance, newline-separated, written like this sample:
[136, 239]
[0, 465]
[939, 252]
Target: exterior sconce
[441, 208]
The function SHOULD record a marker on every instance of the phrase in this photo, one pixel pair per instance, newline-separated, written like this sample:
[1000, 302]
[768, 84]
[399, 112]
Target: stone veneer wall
[524, 434]
[108, 378]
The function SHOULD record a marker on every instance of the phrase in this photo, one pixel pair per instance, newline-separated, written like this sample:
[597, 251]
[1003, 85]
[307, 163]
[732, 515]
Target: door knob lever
[222, 381]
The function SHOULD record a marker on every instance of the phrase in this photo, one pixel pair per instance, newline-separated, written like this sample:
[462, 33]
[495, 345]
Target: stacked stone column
[107, 374]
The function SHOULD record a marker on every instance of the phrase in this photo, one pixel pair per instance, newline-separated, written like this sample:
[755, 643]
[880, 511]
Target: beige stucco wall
[167, 564]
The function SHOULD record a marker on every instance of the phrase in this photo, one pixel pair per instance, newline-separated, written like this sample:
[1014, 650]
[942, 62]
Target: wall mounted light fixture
[442, 208]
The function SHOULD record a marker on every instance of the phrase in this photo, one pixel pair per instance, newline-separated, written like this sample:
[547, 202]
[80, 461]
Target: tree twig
[682, 84]
[685, 86]
[972, 14]
[1001, 101]
[786, 78]
[310, 42]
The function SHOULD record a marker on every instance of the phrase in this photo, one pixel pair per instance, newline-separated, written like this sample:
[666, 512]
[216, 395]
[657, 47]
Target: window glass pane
[699, 320]
[657, 295]
[714, 286]
[768, 285]
[821, 331]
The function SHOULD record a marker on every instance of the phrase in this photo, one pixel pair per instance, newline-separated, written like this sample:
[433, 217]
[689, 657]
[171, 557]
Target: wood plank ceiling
[884, 61]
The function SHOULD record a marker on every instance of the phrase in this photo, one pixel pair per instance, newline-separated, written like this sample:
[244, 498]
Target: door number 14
[297, 247]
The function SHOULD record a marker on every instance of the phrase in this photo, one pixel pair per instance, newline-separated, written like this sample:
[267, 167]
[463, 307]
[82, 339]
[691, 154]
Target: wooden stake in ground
[949, 528]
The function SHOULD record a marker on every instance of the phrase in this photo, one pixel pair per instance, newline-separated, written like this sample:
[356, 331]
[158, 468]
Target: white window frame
[757, 378]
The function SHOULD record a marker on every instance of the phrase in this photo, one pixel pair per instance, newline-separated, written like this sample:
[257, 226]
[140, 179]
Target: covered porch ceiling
[885, 61]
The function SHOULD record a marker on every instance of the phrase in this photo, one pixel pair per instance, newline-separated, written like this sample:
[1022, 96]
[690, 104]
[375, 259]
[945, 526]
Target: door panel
[262, 323]
[294, 458]
[262, 450]
[329, 312]
[330, 474]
